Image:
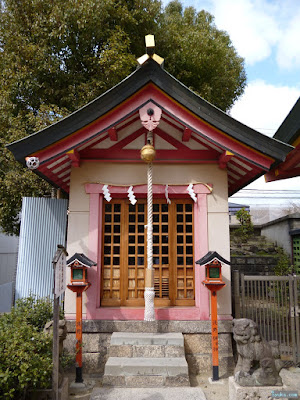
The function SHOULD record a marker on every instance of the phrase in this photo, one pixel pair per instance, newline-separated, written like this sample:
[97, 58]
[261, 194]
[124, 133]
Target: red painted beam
[124, 142]
[186, 135]
[53, 178]
[134, 155]
[234, 187]
[113, 135]
[225, 158]
[174, 142]
[167, 121]
[75, 157]
[292, 159]
[277, 174]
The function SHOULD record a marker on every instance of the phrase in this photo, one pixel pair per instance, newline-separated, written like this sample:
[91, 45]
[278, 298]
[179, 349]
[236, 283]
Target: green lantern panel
[214, 272]
[78, 274]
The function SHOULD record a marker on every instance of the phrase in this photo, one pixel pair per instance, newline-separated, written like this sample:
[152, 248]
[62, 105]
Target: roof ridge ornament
[150, 46]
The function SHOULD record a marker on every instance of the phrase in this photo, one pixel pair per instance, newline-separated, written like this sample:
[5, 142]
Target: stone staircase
[146, 360]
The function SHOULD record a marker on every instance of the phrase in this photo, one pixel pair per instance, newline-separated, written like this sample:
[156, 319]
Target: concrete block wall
[197, 341]
[254, 265]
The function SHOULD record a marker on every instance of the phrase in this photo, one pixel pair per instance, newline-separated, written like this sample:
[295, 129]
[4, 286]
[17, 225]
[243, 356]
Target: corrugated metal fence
[43, 227]
[273, 303]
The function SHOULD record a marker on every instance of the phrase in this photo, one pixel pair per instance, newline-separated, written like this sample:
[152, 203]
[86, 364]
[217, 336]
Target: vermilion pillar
[78, 290]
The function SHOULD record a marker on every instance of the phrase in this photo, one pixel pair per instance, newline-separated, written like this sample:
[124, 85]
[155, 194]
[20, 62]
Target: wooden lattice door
[125, 253]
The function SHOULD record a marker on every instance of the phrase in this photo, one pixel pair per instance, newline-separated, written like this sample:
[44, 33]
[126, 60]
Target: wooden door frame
[201, 309]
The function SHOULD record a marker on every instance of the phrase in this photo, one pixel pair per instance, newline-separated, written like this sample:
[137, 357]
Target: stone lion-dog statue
[251, 348]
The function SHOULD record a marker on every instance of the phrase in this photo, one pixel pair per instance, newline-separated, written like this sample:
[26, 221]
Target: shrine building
[202, 157]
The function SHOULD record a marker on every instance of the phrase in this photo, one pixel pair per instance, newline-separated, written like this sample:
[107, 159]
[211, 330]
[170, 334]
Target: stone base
[237, 392]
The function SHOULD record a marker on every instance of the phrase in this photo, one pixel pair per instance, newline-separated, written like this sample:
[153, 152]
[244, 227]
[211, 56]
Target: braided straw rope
[150, 219]
[149, 293]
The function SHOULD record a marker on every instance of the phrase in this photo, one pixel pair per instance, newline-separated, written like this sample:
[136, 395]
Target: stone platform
[148, 393]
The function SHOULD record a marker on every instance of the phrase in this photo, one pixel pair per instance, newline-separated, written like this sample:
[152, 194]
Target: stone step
[117, 366]
[146, 360]
[146, 351]
[132, 338]
[146, 372]
[149, 345]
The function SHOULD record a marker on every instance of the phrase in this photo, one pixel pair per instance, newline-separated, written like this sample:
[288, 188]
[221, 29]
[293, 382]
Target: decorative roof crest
[150, 46]
[150, 116]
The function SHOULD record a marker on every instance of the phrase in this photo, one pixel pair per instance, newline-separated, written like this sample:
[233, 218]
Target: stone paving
[201, 389]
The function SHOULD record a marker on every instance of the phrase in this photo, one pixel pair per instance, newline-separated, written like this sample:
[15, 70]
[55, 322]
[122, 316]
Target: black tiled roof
[149, 72]
[289, 130]
[82, 259]
[210, 256]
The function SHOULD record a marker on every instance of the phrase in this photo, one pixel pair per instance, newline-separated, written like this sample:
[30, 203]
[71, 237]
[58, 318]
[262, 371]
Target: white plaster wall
[132, 174]
[218, 240]
[77, 242]
[280, 234]
[219, 236]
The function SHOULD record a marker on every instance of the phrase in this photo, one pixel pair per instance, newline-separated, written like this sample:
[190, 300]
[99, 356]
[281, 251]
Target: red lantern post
[213, 281]
[79, 264]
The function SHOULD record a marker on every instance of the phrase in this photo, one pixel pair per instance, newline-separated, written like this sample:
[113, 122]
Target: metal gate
[273, 303]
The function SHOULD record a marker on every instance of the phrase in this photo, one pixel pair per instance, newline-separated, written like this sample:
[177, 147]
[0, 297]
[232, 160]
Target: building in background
[8, 269]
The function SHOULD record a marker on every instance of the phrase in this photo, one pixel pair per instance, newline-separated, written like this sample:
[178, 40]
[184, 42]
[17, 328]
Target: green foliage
[37, 311]
[283, 266]
[246, 227]
[25, 351]
[57, 56]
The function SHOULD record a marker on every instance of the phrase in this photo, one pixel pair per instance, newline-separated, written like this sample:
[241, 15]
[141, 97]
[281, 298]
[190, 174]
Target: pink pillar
[95, 244]
[201, 248]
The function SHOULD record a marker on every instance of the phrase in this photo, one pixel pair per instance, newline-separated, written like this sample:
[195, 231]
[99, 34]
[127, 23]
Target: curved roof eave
[149, 72]
[289, 130]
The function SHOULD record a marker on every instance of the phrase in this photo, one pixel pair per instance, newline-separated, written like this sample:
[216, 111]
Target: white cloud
[263, 107]
[251, 26]
[259, 28]
[288, 54]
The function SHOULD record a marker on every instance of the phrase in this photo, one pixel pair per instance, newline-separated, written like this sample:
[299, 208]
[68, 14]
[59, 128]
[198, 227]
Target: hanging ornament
[150, 116]
[106, 193]
[148, 153]
[167, 194]
[131, 196]
[191, 192]
[32, 162]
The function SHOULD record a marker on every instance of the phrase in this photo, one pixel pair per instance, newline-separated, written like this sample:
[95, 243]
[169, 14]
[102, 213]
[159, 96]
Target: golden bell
[148, 153]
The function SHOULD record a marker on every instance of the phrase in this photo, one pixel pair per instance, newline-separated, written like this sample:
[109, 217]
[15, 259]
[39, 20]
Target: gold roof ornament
[150, 46]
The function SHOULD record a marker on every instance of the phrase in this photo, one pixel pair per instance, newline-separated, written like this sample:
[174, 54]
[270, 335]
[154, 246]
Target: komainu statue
[252, 349]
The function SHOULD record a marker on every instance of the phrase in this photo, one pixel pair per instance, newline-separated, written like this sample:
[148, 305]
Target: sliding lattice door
[125, 253]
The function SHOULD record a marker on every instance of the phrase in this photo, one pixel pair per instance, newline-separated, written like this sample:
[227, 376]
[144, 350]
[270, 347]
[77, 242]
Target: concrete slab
[132, 338]
[291, 378]
[177, 393]
[219, 382]
[117, 366]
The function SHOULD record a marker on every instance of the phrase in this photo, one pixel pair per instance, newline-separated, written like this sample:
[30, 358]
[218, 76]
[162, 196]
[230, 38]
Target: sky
[266, 33]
